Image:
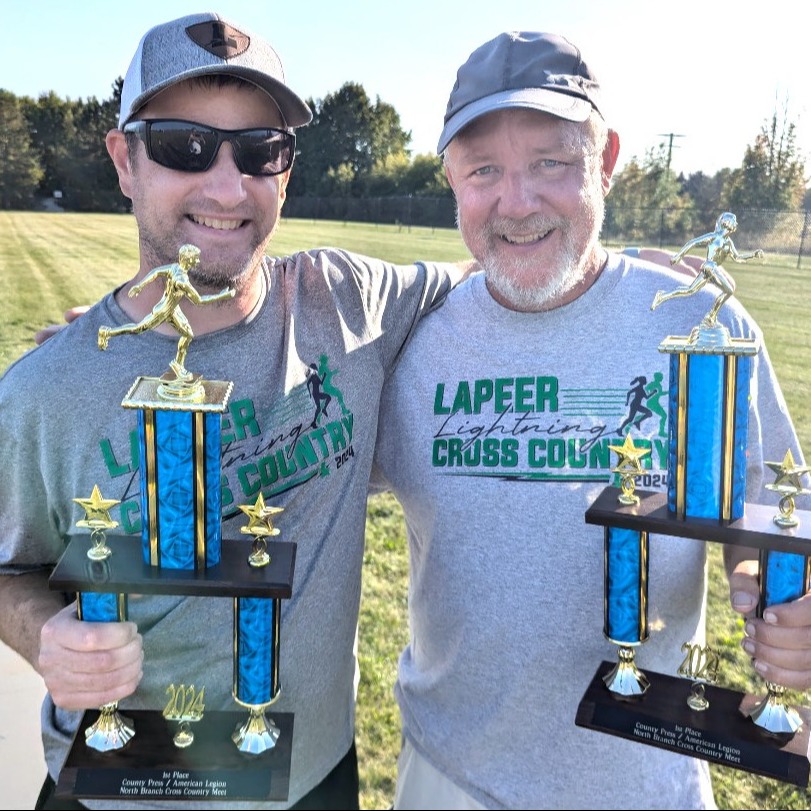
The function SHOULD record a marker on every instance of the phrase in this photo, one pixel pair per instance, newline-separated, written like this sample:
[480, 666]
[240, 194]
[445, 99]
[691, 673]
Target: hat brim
[561, 105]
[295, 112]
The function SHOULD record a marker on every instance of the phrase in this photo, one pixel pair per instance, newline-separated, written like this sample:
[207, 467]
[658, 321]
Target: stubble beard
[209, 275]
[519, 282]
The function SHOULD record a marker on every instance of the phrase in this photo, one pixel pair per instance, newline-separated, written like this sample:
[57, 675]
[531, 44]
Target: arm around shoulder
[689, 265]
[70, 315]
[467, 267]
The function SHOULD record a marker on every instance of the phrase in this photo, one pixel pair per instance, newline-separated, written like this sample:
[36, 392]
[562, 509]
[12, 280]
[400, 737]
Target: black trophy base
[151, 767]
[722, 734]
[125, 571]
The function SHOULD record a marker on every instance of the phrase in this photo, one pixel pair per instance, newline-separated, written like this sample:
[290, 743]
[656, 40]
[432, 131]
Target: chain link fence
[433, 212]
[781, 232]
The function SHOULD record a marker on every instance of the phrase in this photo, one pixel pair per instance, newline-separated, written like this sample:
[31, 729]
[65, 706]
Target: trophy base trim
[125, 571]
[111, 731]
[257, 733]
[145, 393]
[722, 734]
[151, 767]
[625, 679]
[707, 339]
[756, 528]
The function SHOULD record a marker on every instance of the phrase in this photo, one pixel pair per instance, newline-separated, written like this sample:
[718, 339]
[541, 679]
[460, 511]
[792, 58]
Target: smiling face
[230, 216]
[530, 191]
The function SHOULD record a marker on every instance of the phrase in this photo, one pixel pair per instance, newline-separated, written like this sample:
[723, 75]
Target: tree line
[357, 148]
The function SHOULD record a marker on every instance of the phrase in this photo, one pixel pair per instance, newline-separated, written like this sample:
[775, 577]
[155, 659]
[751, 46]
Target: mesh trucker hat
[521, 69]
[200, 45]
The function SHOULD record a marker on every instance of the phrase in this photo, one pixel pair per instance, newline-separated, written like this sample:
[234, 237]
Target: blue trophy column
[180, 488]
[784, 577]
[257, 621]
[626, 605]
[179, 442]
[708, 424]
[626, 586]
[97, 607]
[256, 650]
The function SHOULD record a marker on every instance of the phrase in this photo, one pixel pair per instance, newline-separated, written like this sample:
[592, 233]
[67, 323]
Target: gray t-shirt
[331, 326]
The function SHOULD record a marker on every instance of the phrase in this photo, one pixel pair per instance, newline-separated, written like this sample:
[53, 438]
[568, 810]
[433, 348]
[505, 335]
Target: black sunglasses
[191, 147]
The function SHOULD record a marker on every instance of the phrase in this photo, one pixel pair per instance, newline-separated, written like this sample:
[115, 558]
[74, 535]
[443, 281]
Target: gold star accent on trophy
[629, 456]
[97, 510]
[788, 475]
[261, 518]
[97, 520]
[628, 467]
[260, 526]
[788, 485]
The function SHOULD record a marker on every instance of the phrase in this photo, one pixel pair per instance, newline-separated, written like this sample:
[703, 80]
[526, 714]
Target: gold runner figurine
[167, 310]
[720, 247]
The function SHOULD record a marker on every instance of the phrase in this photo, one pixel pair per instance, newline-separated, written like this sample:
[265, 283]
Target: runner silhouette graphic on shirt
[321, 399]
[637, 412]
[655, 392]
[327, 386]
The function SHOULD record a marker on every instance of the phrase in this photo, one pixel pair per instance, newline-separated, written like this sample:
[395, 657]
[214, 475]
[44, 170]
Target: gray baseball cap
[521, 69]
[201, 45]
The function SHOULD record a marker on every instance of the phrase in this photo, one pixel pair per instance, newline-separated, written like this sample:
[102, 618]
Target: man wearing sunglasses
[204, 148]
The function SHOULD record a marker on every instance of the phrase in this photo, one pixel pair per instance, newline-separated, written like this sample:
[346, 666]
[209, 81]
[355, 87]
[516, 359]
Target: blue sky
[711, 74]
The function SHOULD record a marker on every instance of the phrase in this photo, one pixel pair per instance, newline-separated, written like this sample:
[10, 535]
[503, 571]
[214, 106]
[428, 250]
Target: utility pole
[670, 136]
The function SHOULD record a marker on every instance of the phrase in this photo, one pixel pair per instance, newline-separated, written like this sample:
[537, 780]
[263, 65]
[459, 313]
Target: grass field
[49, 262]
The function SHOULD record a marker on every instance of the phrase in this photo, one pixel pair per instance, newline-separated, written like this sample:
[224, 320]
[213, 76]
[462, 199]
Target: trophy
[183, 751]
[705, 500]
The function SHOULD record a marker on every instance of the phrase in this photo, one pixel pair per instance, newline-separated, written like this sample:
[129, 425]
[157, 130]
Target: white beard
[518, 283]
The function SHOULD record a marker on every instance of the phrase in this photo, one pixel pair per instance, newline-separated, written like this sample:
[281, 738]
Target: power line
[670, 136]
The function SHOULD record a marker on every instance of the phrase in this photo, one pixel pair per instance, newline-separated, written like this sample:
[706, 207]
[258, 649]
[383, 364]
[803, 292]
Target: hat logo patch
[218, 38]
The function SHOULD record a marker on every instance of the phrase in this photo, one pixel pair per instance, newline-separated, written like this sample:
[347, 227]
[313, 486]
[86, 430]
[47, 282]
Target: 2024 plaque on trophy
[705, 500]
[182, 751]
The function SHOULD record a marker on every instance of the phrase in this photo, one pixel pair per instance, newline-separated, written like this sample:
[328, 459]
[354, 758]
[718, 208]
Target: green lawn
[49, 262]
